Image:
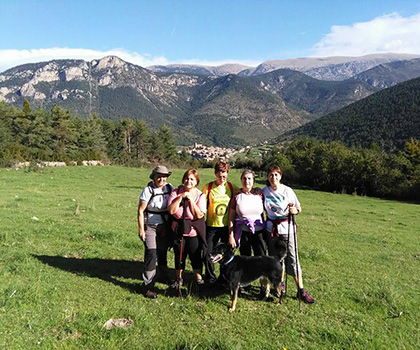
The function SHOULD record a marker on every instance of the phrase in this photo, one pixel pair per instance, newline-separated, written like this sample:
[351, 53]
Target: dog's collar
[227, 262]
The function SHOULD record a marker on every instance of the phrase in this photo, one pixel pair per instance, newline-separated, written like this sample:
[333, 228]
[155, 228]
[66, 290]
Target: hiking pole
[296, 257]
[289, 219]
[180, 264]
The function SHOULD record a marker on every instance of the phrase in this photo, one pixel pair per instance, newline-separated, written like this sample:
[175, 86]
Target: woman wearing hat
[153, 231]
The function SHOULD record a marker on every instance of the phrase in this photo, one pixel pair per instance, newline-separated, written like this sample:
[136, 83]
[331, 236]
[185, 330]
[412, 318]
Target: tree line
[57, 135]
[334, 167]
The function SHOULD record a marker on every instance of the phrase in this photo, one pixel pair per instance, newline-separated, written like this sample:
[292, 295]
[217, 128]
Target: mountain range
[226, 105]
[323, 68]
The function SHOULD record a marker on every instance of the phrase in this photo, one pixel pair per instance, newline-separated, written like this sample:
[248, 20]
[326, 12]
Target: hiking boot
[305, 297]
[150, 294]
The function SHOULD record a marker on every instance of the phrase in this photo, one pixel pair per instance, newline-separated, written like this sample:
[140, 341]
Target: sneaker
[177, 284]
[305, 297]
[150, 294]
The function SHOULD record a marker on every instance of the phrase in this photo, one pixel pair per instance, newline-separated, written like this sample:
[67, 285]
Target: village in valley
[208, 153]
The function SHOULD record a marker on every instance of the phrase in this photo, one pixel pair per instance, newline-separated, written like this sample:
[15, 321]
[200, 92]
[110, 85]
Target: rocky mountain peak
[109, 62]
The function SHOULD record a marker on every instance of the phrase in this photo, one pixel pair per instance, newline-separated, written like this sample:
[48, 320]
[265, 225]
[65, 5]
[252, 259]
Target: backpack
[167, 190]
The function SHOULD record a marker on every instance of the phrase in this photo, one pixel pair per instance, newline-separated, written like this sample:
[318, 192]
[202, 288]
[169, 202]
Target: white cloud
[387, 33]
[12, 58]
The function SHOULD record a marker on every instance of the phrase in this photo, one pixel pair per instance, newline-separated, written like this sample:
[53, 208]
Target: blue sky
[204, 32]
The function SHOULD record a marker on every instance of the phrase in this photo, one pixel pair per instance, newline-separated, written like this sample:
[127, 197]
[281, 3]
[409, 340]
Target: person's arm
[231, 225]
[174, 201]
[140, 218]
[195, 207]
[294, 205]
[205, 190]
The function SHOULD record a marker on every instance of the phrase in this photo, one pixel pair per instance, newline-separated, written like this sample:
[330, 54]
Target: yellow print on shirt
[221, 210]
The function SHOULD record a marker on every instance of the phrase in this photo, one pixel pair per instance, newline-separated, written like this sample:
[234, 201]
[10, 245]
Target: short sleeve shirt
[248, 206]
[218, 199]
[157, 199]
[276, 204]
[199, 199]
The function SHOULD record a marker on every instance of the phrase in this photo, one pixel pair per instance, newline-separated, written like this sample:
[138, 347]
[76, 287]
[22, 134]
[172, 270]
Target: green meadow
[70, 259]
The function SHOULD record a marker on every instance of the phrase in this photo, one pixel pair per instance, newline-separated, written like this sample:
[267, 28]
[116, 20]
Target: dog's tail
[280, 248]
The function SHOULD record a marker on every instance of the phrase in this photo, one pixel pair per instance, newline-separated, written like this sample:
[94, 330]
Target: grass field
[70, 260]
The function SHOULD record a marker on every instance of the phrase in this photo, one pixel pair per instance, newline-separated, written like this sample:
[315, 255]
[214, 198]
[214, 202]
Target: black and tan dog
[239, 271]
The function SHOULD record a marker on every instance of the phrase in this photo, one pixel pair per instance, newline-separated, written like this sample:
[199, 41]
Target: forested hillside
[388, 118]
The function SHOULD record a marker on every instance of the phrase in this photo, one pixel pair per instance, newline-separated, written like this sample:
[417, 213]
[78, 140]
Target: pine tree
[141, 139]
[91, 142]
[64, 134]
[26, 107]
[163, 145]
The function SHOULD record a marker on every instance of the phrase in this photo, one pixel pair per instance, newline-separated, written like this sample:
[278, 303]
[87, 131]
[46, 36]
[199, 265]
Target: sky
[207, 32]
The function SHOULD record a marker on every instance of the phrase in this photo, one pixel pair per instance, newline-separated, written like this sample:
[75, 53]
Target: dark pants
[156, 248]
[213, 236]
[292, 260]
[190, 246]
[252, 240]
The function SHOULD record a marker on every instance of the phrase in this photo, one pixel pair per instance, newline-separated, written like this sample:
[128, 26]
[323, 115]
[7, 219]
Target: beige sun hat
[160, 169]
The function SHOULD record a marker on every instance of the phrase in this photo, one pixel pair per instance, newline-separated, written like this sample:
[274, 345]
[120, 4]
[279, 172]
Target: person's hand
[186, 195]
[232, 241]
[292, 209]
[142, 235]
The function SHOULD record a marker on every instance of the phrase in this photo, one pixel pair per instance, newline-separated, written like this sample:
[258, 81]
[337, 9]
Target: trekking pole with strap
[296, 256]
[181, 238]
[289, 219]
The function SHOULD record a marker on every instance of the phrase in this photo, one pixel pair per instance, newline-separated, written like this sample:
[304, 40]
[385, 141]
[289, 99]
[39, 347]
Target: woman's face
[221, 177]
[274, 178]
[247, 182]
[160, 180]
[190, 182]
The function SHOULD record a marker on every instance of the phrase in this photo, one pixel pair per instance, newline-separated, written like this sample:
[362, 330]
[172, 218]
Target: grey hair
[248, 171]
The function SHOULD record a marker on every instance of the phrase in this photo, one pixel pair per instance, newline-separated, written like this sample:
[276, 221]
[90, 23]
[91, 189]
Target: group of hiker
[193, 221]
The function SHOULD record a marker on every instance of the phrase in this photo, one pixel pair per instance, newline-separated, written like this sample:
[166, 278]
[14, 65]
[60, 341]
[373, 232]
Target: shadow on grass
[115, 271]
[105, 269]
